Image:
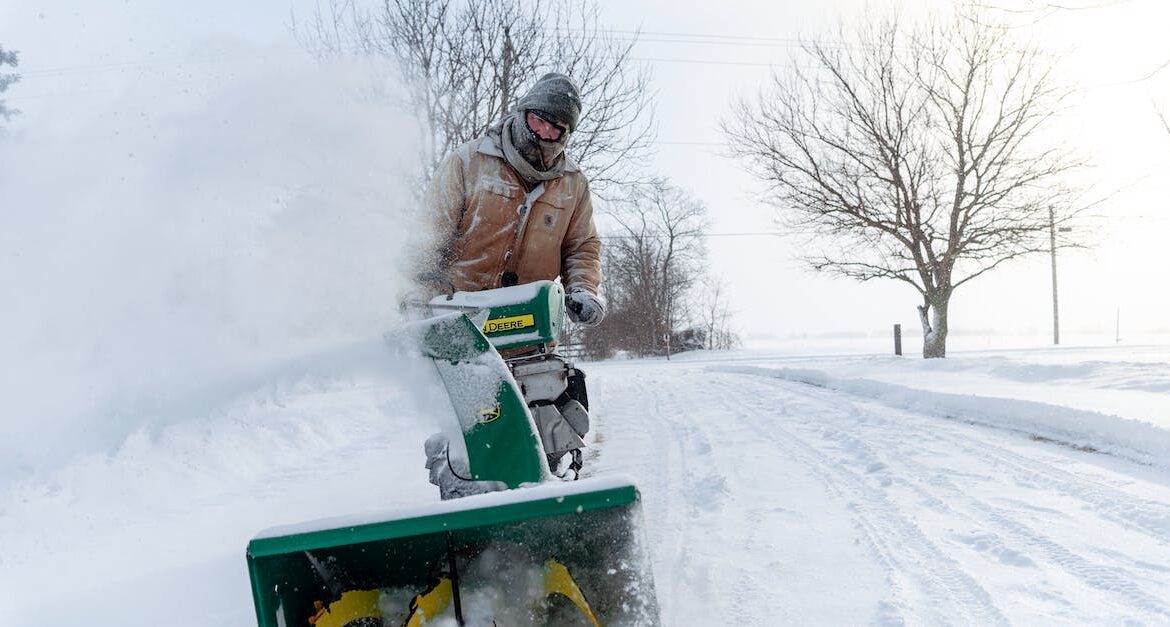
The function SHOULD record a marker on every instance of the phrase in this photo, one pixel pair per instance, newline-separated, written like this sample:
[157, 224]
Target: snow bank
[1087, 430]
[338, 433]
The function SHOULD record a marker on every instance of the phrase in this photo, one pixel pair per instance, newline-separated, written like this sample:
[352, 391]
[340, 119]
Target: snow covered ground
[1011, 486]
[883, 490]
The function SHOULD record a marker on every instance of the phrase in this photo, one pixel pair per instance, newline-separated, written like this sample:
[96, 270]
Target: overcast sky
[81, 57]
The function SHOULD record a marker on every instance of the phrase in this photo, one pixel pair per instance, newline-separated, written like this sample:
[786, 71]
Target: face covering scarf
[542, 151]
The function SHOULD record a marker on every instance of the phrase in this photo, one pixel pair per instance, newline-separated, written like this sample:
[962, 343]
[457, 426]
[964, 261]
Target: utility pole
[1052, 247]
[1055, 305]
[1117, 332]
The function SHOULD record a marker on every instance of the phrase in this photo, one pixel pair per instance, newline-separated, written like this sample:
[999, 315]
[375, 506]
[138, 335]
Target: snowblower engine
[523, 323]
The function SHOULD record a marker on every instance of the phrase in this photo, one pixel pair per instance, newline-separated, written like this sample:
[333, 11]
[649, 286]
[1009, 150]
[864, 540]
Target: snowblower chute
[531, 549]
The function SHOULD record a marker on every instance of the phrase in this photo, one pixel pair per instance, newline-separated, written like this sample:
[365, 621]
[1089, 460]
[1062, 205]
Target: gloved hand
[584, 307]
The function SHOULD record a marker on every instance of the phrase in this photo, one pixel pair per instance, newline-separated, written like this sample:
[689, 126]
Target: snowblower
[512, 543]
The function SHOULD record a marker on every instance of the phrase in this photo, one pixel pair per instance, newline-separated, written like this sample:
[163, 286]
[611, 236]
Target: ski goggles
[554, 131]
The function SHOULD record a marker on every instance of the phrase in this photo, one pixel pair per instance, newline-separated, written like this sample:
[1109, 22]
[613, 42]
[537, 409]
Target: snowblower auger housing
[592, 527]
[540, 551]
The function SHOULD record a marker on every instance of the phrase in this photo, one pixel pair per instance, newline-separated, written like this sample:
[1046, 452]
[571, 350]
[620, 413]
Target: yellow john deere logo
[511, 323]
[489, 414]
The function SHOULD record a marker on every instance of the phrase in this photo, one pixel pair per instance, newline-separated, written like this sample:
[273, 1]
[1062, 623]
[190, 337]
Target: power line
[652, 33]
[744, 234]
[662, 37]
[709, 62]
[775, 41]
[641, 40]
[143, 66]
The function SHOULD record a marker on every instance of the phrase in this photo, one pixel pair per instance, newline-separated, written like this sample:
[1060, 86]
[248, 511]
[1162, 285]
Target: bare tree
[10, 58]
[653, 259]
[467, 62]
[714, 315]
[915, 154]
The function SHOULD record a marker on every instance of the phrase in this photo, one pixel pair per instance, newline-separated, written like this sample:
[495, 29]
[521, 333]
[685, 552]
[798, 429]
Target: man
[508, 208]
[511, 207]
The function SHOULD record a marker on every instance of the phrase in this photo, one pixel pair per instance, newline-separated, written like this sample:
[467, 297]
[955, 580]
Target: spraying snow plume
[164, 248]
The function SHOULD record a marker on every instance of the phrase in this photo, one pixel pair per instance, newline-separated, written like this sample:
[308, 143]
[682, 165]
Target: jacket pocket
[494, 202]
[498, 188]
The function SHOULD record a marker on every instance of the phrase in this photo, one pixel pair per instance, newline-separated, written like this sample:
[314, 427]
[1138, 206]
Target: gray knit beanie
[556, 94]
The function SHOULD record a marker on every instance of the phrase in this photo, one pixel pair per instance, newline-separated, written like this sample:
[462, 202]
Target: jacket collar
[490, 145]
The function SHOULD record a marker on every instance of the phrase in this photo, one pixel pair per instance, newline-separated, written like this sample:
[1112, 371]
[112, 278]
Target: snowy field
[997, 486]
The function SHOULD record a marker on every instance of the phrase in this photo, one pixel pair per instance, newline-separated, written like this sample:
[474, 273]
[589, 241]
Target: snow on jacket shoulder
[474, 201]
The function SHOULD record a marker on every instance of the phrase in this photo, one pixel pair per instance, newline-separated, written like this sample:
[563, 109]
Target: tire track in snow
[1149, 517]
[1142, 515]
[925, 580]
[1106, 501]
[663, 523]
[685, 520]
[1025, 539]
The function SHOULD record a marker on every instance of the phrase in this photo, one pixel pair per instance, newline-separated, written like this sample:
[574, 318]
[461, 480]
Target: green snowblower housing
[522, 316]
[539, 551]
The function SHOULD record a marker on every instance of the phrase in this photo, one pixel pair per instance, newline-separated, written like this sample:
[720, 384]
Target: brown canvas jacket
[473, 201]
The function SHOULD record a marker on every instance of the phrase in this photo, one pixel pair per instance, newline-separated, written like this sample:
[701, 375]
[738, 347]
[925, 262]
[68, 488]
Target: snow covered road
[777, 502]
[776, 490]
